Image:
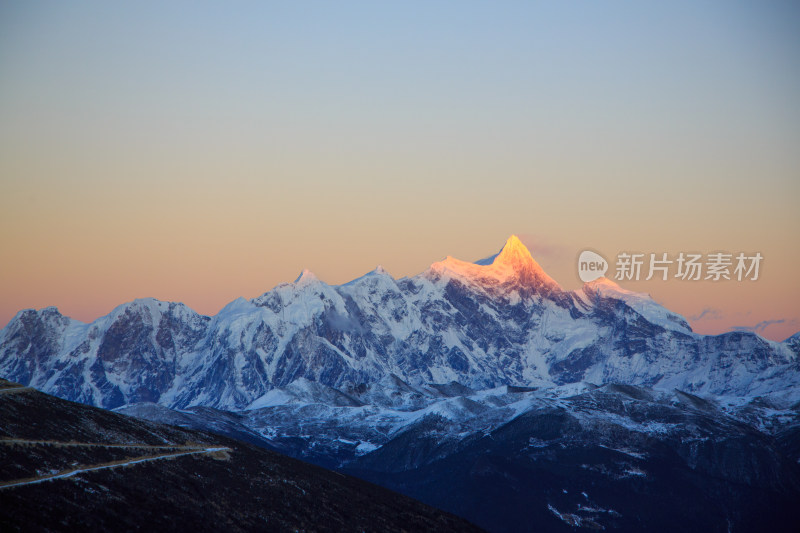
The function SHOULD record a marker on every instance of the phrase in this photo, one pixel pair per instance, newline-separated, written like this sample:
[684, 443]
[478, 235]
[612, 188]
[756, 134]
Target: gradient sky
[199, 152]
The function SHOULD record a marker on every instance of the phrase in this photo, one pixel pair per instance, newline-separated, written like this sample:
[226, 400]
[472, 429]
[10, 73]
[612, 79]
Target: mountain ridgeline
[500, 321]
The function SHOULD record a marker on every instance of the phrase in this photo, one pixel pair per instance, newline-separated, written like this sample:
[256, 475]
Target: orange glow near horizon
[202, 155]
[711, 308]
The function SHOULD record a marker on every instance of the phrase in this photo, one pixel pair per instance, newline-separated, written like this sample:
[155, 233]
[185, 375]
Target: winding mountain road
[185, 450]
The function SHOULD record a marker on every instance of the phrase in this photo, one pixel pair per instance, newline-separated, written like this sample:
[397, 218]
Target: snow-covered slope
[498, 322]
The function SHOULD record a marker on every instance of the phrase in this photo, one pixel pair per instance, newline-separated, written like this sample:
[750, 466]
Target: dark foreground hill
[70, 467]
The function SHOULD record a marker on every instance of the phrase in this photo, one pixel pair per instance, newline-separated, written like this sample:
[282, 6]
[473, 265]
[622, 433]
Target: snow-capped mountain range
[496, 322]
[483, 388]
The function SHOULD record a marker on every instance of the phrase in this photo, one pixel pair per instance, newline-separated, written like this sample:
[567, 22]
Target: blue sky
[287, 134]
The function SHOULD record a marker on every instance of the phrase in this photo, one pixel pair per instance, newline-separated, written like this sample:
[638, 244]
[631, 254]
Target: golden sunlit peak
[513, 263]
[516, 258]
[513, 252]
